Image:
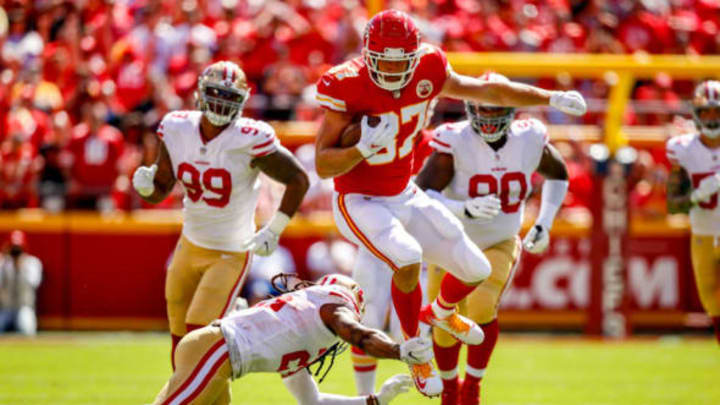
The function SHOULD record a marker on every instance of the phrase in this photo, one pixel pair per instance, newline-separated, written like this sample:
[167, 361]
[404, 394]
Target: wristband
[278, 222]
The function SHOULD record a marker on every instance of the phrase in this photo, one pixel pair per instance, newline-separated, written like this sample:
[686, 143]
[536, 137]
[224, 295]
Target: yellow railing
[619, 71]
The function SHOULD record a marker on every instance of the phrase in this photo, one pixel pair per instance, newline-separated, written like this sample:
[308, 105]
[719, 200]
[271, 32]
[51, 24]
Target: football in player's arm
[693, 187]
[308, 319]
[395, 80]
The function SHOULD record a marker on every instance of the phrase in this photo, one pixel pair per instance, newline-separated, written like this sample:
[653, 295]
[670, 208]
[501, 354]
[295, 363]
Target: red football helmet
[391, 36]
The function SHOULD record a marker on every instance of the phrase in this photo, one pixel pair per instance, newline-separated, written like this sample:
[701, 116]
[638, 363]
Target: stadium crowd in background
[83, 84]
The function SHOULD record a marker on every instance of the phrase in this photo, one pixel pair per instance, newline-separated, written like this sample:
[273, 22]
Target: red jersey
[348, 88]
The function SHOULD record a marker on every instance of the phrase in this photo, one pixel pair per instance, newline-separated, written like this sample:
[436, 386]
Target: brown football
[351, 134]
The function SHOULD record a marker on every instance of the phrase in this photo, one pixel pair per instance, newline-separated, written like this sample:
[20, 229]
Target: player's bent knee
[474, 267]
[407, 278]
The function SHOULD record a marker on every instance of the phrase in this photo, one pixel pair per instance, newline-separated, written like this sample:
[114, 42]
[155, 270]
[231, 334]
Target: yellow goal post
[619, 71]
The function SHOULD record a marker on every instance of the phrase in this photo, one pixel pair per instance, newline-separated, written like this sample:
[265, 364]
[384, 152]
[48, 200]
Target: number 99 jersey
[480, 170]
[348, 88]
[221, 188]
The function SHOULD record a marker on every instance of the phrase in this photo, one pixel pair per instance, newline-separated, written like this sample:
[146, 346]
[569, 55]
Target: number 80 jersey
[480, 170]
[221, 188]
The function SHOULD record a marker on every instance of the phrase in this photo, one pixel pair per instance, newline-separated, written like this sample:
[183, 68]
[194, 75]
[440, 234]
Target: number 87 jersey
[348, 88]
[480, 170]
[221, 187]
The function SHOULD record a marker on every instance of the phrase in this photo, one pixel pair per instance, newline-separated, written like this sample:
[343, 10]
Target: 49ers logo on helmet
[391, 36]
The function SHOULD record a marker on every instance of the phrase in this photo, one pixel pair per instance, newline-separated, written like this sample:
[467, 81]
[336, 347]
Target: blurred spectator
[330, 256]
[95, 149]
[20, 276]
[143, 57]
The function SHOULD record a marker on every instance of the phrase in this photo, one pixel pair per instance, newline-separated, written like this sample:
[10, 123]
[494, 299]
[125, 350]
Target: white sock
[365, 382]
[441, 312]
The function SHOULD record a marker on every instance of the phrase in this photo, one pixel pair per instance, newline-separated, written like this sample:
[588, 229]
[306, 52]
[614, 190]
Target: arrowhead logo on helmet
[222, 92]
[392, 40]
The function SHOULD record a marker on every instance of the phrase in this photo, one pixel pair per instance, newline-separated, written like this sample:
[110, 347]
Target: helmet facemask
[222, 92]
[221, 104]
[391, 81]
[491, 123]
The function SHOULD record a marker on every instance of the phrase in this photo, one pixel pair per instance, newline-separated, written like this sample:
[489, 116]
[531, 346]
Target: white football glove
[569, 102]
[393, 387]
[373, 139]
[417, 350]
[265, 241]
[483, 208]
[143, 180]
[707, 187]
[537, 239]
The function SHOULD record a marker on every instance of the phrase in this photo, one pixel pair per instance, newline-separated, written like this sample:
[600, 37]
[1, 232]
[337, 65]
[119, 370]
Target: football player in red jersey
[375, 205]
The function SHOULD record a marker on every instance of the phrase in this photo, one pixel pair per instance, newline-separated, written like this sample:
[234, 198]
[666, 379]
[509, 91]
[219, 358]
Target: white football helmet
[707, 97]
[490, 122]
[342, 281]
[222, 92]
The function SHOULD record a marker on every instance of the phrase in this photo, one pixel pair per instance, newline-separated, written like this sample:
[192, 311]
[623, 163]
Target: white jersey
[284, 334]
[221, 189]
[699, 162]
[480, 170]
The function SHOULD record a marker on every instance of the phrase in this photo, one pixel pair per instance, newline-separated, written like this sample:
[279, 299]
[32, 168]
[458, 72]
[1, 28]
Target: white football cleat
[462, 328]
[426, 379]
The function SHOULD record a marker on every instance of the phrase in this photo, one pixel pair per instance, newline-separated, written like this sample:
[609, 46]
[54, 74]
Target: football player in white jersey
[287, 335]
[693, 186]
[217, 155]
[481, 171]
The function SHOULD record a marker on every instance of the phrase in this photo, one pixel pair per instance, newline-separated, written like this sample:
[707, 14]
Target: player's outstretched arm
[154, 183]
[283, 167]
[511, 94]
[341, 320]
[678, 191]
[331, 160]
[553, 168]
[302, 386]
[346, 325]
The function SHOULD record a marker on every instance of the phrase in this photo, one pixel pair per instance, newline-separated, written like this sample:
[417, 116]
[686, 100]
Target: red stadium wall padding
[105, 279]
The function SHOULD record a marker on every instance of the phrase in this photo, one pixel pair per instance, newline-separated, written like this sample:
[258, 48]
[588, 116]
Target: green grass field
[128, 368]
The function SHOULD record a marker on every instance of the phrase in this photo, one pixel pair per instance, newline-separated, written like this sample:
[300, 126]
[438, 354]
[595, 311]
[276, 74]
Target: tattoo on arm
[552, 166]
[341, 320]
[437, 173]
[283, 167]
[678, 191]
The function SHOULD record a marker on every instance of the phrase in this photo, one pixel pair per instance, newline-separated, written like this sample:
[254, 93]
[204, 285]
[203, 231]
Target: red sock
[175, 340]
[407, 307]
[479, 355]
[192, 326]
[447, 357]
[716, 323]
[453, 290]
